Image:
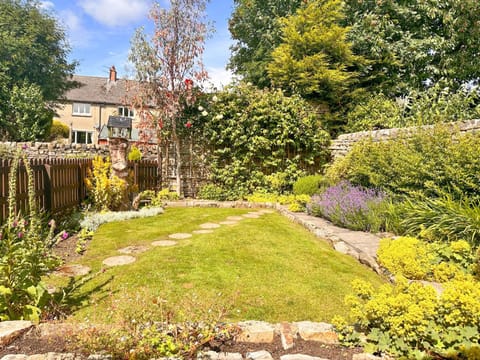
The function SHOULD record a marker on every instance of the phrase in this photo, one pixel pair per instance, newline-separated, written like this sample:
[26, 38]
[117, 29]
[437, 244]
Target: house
[85, 109]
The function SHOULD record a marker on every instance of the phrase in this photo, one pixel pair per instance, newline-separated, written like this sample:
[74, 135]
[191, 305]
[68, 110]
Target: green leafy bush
[429, 162]
[308, 185]
[410, 320]
[25, 255]
[58, 130]
[134, 154]
[261, 139]
[218, 193]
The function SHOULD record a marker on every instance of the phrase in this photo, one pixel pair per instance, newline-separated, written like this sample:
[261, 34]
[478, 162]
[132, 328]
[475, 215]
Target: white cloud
[46, 5]
[219, 77]
[115, 12]
[78, 33]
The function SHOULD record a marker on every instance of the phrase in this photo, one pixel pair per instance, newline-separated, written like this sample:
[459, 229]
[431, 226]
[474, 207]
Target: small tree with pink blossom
[168, 68]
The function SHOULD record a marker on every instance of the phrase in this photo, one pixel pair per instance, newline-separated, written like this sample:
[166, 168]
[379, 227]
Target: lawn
[264, 269]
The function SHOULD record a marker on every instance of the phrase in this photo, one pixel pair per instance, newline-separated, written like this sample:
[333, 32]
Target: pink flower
[188, 125]
[15, 223]
[64, 235]
[20, 235]
[188, 83]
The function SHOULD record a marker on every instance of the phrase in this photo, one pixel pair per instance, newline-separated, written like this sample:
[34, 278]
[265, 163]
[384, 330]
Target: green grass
[264, 269]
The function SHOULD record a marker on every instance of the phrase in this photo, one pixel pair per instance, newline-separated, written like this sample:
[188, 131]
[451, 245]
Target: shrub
[106, 192]
[25, 255]
[410, 320]
[58, 130]
[217, 192]
[134, 154]
[308, 185]
[91, 222]
[431, 161]
[350, 206]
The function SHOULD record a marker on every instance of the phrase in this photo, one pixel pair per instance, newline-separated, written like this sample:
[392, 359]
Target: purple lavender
[346, 205]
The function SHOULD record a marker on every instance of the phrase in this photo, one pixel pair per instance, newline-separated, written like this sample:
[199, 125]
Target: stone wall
[344, 143]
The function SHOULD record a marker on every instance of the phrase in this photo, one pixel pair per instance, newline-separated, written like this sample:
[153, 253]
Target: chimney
[113, 74]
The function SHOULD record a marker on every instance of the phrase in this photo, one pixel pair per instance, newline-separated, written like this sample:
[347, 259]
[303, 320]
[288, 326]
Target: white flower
[215, 98]
[219, 117]
[200, 108]
[205, 113]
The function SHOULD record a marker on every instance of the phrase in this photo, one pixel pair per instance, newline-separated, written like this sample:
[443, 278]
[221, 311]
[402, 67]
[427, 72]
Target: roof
[99, 90]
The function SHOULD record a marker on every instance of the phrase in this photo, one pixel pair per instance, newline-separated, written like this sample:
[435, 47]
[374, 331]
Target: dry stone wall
[341, 146]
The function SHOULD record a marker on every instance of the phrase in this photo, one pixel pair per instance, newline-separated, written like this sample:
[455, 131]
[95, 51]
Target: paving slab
[180, 236]
[202, 231]
[235, 218]
[119, 260]
[209, 225]
[164, 243]
[228, 222]
[72, 270]
[134, 249]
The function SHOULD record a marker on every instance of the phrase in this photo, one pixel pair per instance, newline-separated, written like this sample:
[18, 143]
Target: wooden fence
[59, 183]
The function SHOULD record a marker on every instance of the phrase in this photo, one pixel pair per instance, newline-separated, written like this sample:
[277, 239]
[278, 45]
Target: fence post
[48, 188]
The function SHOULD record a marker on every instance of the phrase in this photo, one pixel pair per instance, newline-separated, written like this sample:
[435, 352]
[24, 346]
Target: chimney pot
[113, 74]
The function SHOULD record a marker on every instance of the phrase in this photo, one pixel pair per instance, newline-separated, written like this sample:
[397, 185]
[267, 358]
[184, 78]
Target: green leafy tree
[409, 43]
[33, 67]
[254, 25]
[258, 137]
[315, 59]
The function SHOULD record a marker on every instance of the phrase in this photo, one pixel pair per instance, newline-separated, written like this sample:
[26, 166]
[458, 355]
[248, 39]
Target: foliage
[166, 65]
[409, 43]
[158, 198]
[255, 136]
[106, 192]
[410, 320]
[436, 104]
[254, 26]
[429, 162]
[217, 193]
[58, 130]
[91, 222]
[314, 58]
[33, 69]
[158, 330]
[351, 206]
[308, 185]
[25, 255]
[442, 218]
[134, 154]
[415, 259]
[296, 203]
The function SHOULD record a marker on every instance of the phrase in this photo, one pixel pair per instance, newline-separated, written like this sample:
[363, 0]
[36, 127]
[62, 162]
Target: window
[81, 109]
[125, 111]
[82, 137]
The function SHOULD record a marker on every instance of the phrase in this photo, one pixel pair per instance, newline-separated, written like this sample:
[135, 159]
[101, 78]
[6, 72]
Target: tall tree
[410, 43]
[314, 59]
[255, 29]
[33, 62]
[167, 64]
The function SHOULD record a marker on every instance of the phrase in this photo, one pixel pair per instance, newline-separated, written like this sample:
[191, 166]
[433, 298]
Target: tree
[33, 62]
[314, 59]
[254, 27]
[166, 66]
[411, 43]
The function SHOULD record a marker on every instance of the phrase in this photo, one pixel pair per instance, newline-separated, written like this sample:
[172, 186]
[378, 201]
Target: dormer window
[125, 112]
[81, 109]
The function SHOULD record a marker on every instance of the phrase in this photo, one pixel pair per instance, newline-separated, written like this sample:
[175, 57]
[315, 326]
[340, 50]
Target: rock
[36, 357]
[343, 248]
[287, 336]
[58, 356]
[366, 259]
[119, 260]
[202, 231]
[321, 332]
[256, 332]
[228, 222]
[15, 357]
[212, 355]
[134, 249]
[259, 355]
[10, 330]
[300, 357]
[180, 236]
[234, 218]
[164, 243]
[209, 226]
[99, 357]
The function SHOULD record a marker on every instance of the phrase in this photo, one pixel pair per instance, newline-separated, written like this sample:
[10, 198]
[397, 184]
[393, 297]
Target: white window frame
[87, 137]
[126, 112]
[81, 109]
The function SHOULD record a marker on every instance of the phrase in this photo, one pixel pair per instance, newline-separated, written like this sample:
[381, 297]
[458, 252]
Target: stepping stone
[209, 226]
[229, 222]
[164, 243]
[265, 211]
[72, 270]
[119, 260]
[251, 216]
[203, 231]
[234, 218]
[180, 236]
[134, 249]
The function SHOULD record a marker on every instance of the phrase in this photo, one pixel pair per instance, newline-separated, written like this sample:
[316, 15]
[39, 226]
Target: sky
[99, 33]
